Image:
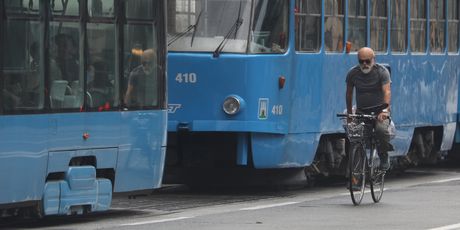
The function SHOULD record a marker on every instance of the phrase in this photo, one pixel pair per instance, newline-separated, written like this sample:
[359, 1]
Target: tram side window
[66, 89]
[357, 12]
[100, 75]
[22, 72]
[333, 25]
[417, 26]
[270, 26]
[453, 12]
[30, 7]
[101, 8]
[142, 72]
[65, 8]
[379, 25]
[140, 9]
[398, 29]
[308, 25]
[437, 22]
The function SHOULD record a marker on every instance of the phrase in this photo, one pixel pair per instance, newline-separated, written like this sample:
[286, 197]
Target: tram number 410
[277, 110]
[186, 77]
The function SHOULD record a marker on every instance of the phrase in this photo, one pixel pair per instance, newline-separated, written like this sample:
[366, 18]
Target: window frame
[404, 15]
[337, 16]
[437, 21]
[424, 20]
[455, 20]
[385, 22]
[300, 16]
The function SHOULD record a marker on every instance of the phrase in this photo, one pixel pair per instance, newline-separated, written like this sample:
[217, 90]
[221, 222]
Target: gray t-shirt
[144, 87]
[368, 86]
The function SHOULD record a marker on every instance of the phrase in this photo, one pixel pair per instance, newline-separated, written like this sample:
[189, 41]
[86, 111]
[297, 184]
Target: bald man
[142, 83]
[372, 83]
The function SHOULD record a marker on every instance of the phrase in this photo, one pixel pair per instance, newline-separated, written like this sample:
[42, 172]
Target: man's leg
[383, 143]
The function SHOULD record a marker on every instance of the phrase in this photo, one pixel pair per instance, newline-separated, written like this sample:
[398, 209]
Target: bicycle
[363, 158]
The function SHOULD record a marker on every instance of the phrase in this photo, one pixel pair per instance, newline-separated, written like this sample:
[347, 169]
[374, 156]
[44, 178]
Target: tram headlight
[232, 104]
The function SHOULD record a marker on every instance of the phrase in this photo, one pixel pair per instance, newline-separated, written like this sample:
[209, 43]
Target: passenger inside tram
[64, 72]
[142, 82]
[100, 87]
[67, 57]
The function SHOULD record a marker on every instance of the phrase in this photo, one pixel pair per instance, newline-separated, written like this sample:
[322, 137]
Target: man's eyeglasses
[365, 61]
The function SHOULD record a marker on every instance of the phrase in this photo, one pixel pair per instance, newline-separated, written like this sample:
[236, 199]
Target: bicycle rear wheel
[377, 177]
[357, 173]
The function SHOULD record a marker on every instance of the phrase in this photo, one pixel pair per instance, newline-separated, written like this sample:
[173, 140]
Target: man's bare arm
[349, 98]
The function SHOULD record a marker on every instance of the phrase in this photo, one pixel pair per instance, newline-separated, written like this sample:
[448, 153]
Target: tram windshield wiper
[183, 33]
[194, 28]
[234, 29]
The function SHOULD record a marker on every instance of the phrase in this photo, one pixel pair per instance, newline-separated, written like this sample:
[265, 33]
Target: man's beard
[366, 70]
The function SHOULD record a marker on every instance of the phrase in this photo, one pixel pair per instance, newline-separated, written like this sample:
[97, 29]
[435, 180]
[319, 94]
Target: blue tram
[67, 139]
[256, 83]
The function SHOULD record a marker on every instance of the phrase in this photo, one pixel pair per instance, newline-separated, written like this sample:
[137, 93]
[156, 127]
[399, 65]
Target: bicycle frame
[361, 134]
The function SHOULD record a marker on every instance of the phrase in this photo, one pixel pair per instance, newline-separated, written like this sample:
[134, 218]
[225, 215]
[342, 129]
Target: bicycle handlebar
[368, 116]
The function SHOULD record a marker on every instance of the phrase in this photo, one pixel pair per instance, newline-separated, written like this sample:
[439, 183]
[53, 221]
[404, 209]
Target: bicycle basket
[355, 131]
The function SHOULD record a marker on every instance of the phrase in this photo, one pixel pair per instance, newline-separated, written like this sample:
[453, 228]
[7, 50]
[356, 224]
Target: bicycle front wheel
[357, 173]
[377, 177]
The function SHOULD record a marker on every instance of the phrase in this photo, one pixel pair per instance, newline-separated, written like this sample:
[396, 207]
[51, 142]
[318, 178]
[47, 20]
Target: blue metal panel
[251, 78]
[23, 157]
[283, 151]
[141, 153]
[423, 92]
[31, 146]
[66, 130]
[105, 158]
[448, 136]
[457, 133]
[242, 149]
[402, 140]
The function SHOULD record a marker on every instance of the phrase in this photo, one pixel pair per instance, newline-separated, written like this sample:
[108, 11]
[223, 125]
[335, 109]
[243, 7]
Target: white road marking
[268, 206]
[365, 191]
[446, 180]
[447, 227]
[157, 221]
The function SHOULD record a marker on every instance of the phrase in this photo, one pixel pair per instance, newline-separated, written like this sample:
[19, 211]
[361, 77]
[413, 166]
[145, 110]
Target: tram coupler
[80, 192]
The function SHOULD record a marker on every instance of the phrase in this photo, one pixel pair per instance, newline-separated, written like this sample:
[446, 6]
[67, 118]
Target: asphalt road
[418, 199]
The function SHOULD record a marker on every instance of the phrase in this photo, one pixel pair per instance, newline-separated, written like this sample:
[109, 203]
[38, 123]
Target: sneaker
[384, 161]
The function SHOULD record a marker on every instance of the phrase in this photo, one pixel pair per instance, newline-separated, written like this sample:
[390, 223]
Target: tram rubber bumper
[78, 193]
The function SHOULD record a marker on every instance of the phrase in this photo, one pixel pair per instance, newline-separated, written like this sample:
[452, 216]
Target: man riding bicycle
[372, 82]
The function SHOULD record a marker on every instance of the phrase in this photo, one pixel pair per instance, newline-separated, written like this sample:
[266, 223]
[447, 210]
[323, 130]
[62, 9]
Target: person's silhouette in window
[142, 82]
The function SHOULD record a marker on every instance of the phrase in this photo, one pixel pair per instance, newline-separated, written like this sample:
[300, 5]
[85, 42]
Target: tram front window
[202, 25]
